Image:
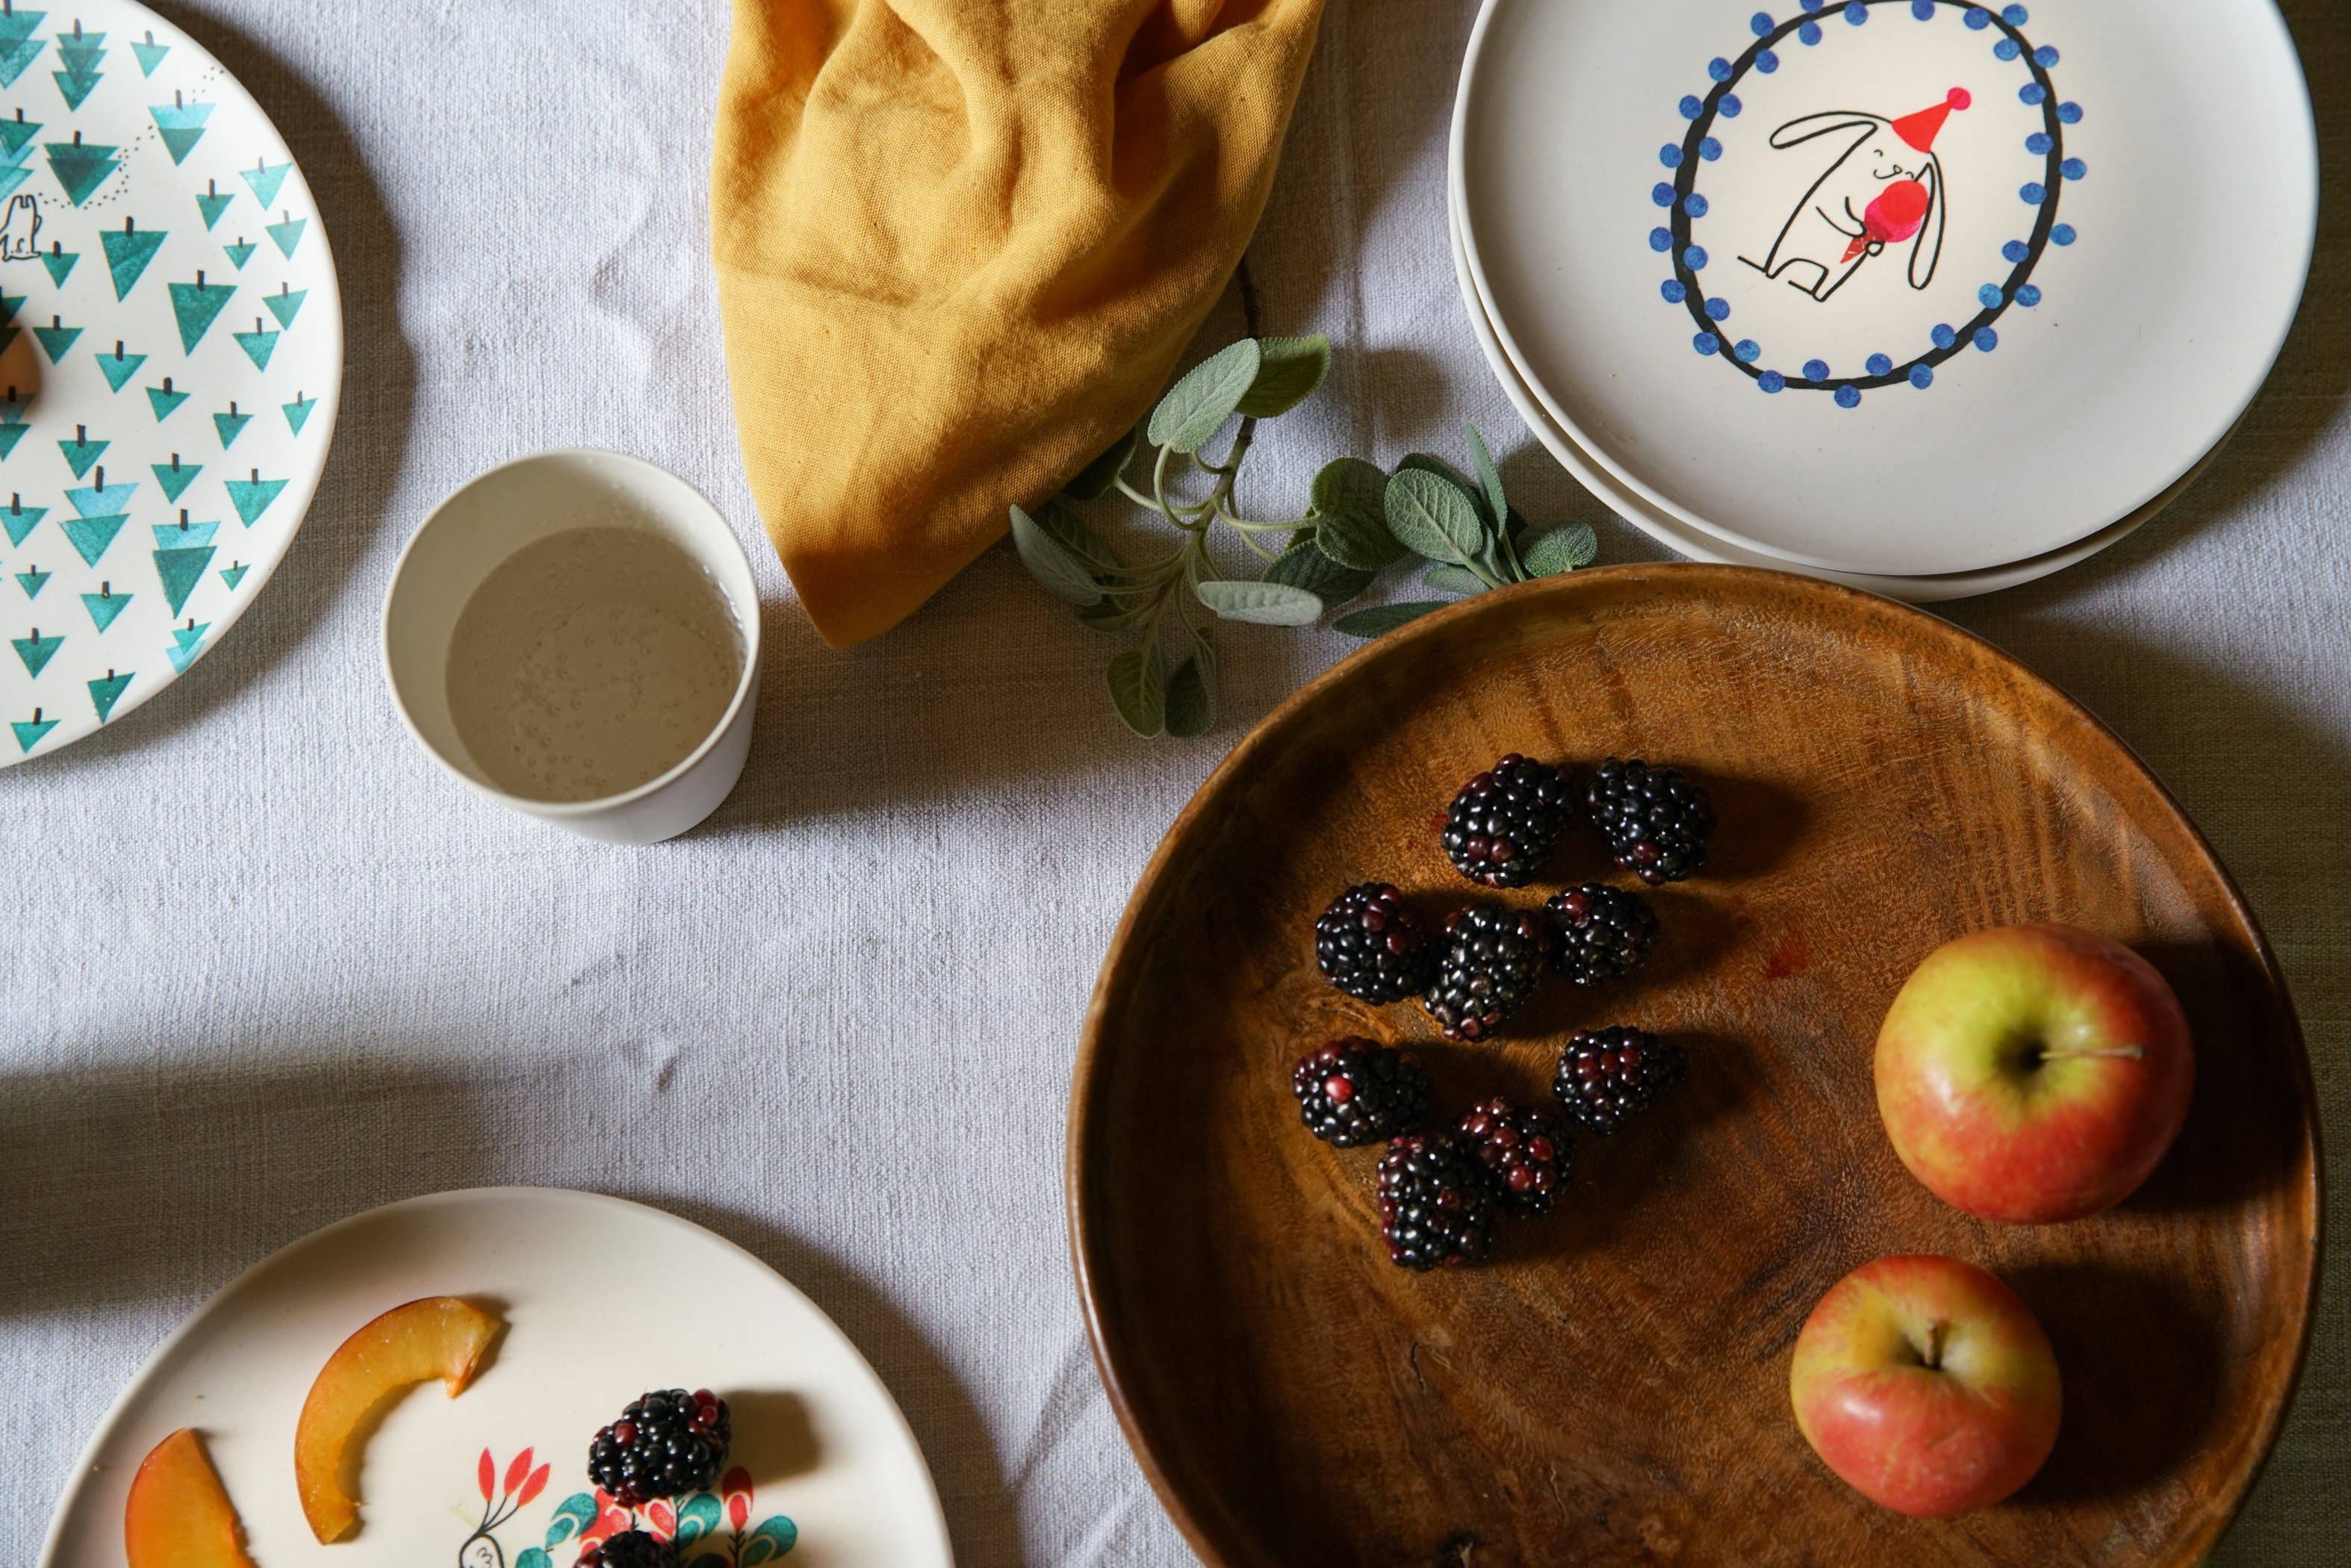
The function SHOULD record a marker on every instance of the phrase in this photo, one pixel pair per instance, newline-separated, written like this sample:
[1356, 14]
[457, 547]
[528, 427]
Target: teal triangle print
[56, 339]
[239, 253]
[36, 650]
[264, 179]
[288, 233]
[20, 519]
[181, 125]
[228, 424]
[12, 176]
[81, 167]
[103, 499]
[105, 605]
[80, 452]
[198, 305]
[91, 536]
[107, 692]
[297, 412]
[119, 367]
[128, 252]
[175, 476]
[15, 406]
[164, 399]
[212, 204]
[180, 571]
[258, 344]
[8, 336]
[59, 262]
[33, 582]
[9, 304]
[149, 54]
[10, 435]
[17, 134]
[29, 731]
[186, 640]
[79, 53]
[252, 497]
[184, 534]
[233, 575]
[286, 303]
[15, 56]
[104, 693]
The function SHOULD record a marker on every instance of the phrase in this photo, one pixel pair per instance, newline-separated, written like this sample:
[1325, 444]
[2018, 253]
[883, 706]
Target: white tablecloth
[264, 965]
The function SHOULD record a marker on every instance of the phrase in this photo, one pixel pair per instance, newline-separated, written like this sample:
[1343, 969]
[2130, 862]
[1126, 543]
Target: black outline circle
[1685, 183]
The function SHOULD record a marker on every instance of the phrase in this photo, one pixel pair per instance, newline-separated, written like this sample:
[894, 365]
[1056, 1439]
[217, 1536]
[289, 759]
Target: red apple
[1927, 1386]
[2034, 1073]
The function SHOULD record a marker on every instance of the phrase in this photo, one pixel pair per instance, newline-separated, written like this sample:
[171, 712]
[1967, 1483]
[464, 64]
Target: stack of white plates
[1924, 295]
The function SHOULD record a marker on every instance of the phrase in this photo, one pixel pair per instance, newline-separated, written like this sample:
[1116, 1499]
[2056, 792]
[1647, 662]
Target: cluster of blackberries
[1442, 1192]
[664, 1444]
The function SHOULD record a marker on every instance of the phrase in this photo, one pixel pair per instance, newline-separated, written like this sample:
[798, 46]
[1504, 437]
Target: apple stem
[1935, 1332]
[2119, 1052]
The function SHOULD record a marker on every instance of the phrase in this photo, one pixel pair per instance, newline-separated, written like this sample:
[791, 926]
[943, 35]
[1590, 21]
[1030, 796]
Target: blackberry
[665, 1444]
[1357, 1090]
[1505, 821]
[1604, 932]
[1657, 822]
[1528, 1156]
[1493, 956]
[1610, 1075]
[1372, 945]
[1438, 1204]
[629, 1548]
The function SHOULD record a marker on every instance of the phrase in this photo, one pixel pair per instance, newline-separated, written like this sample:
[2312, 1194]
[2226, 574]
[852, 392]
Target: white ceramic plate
[2109, 220]
[1682, 539]
[173, 361]
[603, 1300]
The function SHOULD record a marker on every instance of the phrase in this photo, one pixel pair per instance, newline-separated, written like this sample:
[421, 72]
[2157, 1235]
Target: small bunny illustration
[19, 228]
[1886, 187]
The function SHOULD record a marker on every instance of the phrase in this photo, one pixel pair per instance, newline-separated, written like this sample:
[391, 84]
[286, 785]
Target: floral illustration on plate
[709, 1530]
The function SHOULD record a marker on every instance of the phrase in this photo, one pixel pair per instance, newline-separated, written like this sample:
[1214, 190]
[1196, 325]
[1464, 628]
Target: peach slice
[437, 1336]
[179, 1515]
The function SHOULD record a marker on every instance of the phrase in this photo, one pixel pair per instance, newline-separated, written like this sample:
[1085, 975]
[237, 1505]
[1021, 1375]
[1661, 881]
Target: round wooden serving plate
[1612, 1389]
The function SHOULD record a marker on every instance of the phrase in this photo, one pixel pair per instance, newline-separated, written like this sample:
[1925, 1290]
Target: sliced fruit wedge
[437, 1336]
[179, 1515]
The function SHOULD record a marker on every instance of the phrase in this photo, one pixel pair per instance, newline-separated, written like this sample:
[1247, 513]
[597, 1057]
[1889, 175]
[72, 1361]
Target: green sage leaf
[1385, 617]
[1197, 407]
[1192, 696]
[1560, 549]
[1350, 499]
[1095, 479]
[1453, 580]
[1138, 686]
[1490, 481]
[1260, 603]
[1095, 553]
[1442, 469]
[1307, 565]
[1289, 371]
[1434, 517]
[1061, 573]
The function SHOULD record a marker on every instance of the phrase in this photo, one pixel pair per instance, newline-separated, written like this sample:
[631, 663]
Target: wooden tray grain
[1613, 1389]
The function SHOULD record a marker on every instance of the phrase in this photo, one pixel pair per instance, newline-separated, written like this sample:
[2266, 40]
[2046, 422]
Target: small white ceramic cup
[487, 521]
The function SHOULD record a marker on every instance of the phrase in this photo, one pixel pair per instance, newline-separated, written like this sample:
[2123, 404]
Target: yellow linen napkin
[960, 246]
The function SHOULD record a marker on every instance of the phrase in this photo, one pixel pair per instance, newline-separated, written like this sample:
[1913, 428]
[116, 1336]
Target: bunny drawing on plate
[1886, 187]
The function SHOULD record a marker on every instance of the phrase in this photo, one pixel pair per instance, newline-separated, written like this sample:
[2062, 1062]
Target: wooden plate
[1613, 1389]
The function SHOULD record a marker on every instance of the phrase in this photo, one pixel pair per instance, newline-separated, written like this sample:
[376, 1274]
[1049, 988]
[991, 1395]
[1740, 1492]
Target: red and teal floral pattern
[711, 1530]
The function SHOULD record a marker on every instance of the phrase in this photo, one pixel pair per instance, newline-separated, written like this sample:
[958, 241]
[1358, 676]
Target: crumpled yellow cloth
[960, 246]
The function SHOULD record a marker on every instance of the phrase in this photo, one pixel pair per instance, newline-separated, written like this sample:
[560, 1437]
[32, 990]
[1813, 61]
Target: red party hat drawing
[1920, 130]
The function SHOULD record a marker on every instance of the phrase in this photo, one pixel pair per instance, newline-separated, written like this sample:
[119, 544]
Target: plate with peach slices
[466, 1377]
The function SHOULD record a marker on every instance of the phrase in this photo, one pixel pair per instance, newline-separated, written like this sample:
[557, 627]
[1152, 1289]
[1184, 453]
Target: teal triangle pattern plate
[121, 139]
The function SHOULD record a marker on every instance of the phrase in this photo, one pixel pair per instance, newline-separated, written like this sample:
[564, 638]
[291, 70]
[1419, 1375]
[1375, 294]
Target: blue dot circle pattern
[1995, 298]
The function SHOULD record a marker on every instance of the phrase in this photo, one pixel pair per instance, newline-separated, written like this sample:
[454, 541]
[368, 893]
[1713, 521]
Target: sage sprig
[1359, 521]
